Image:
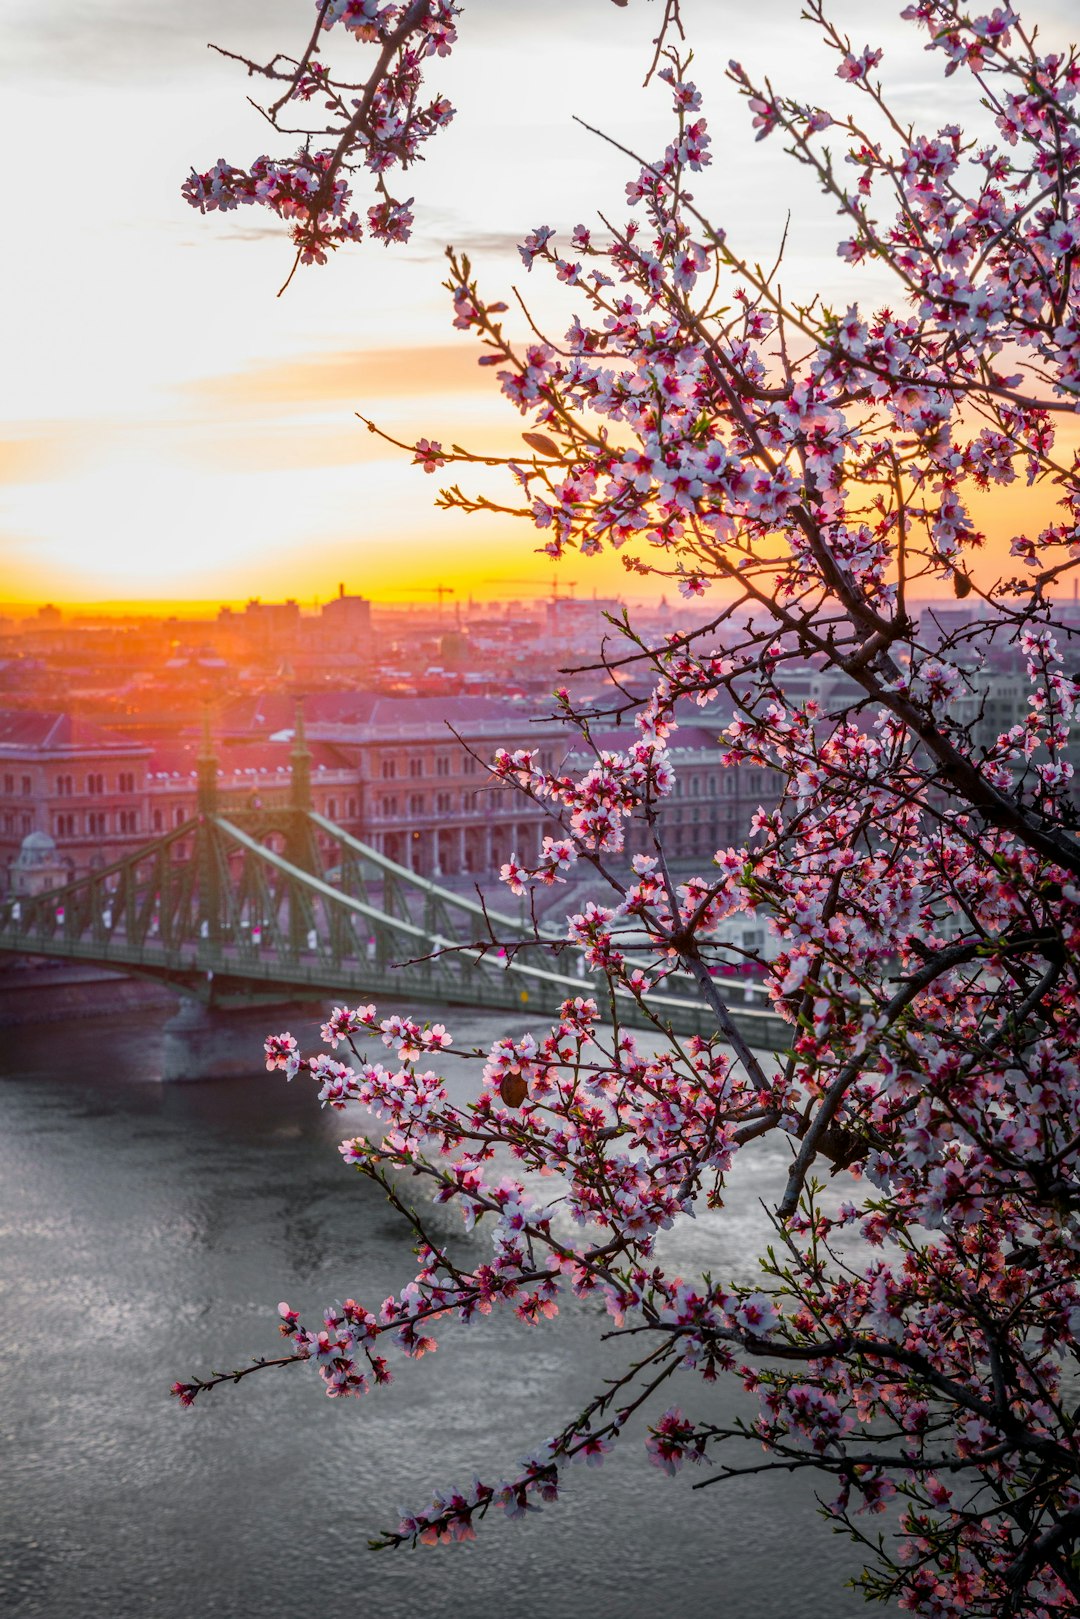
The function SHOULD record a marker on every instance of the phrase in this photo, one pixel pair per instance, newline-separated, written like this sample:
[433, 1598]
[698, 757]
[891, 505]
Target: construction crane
[436, 590]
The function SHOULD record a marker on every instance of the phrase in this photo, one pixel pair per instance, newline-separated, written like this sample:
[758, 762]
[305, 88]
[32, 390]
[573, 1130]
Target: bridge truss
[274, 905]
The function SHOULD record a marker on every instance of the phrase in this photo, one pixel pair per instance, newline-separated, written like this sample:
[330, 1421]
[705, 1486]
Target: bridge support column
[206, 1043]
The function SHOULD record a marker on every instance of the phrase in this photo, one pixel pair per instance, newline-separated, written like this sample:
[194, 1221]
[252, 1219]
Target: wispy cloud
[29, 459]
[360, 376]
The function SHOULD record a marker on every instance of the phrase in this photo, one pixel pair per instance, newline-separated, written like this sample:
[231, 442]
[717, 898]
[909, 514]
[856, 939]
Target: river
[148, 1231]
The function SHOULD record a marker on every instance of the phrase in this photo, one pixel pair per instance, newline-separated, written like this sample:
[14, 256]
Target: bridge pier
[204, 1042]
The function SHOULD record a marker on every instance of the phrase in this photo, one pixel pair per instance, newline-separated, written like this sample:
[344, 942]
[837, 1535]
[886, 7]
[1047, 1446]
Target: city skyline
[418, 599]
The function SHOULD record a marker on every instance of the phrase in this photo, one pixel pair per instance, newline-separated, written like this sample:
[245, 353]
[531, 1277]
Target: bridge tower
[207, 856]
[303, 850]
[197, 1039]
[300, 765]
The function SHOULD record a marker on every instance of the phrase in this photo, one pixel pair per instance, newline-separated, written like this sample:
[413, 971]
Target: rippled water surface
[148, 1231]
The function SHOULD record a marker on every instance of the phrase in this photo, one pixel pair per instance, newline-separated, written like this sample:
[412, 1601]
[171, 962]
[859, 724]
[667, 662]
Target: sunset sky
[172, 430]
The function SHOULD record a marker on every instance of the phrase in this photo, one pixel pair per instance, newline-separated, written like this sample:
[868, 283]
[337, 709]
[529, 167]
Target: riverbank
[37, 991]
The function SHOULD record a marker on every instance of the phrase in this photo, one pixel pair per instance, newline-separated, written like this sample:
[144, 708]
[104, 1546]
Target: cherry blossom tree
[913, 1334]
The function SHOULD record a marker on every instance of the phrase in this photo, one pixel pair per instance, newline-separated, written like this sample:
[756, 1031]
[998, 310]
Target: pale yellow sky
[169, 428]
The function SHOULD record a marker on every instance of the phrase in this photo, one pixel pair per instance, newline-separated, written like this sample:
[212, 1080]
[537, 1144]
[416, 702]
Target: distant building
[76, 782]
[572, 625]
[265, 626]
[712, 804]
[429, 802]
[454, 648]
[98, 797]
[427, 797]
[346, 622]
[38, 866]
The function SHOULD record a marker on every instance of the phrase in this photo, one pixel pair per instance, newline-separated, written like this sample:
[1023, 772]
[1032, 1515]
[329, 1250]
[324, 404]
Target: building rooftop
[51, 732]
[179, 758]
[359, 716]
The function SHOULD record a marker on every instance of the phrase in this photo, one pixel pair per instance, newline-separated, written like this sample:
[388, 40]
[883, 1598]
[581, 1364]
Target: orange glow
[171, 432]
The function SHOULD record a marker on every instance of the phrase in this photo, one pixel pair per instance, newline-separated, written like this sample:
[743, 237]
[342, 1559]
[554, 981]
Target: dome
[37, 849]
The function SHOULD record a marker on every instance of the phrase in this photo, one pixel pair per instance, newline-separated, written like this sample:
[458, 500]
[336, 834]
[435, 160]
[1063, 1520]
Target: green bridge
[277, 905]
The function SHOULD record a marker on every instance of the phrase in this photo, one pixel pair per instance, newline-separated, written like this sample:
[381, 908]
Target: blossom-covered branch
[914, 1333]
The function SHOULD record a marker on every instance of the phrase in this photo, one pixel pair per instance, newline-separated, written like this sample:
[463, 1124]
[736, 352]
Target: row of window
[694, 840]
[439, 804]
[159, 818]
[467, 765]
[752, 784]
[18, 823]
[391, 805]
[95, 784]
[99, 823]
[683, 840]
[331, 810]
[417, 803]
[444, 766]
[95, 824]
[674, 815]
